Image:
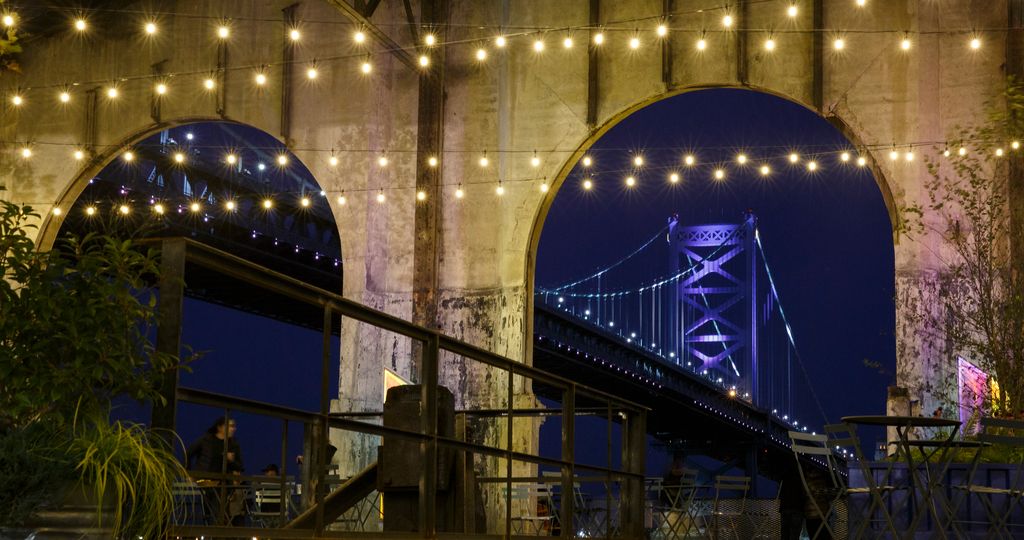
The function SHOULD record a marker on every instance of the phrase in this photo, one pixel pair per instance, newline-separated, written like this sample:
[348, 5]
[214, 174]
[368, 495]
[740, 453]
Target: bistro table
[905, 425]
[946, 453]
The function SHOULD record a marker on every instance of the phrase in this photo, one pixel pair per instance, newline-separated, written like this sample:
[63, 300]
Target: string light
[231, 159]
[359, 37]
[535, 161]
[161, 89]
[282, 160]
[862, 161]
[380, 197]
[382, 161]
[112, 92]
[689, 160]
[261, 79]
[741, 159]
[223, 32]
[64, 97]
[599, 38]
[839, 44]
[81, 25]
[158, 208]
[634, 43]
[588, 184]
[909, 155]
[124, 209]
[1015, 145]
[630, 181]
[484, 162]
[26, 152]
[128, 156]
[195, 207]
[430, 40]
[79, 155]
[544, 187]
[674, 178]
[702, 44]
[230, 206]
[312, 73]
[946, 152]
[792, 11]
[862, 3]
[769, 44]
[587, 161]
[812, 166]
[500, 190]
[765, 170]
[304, 202]
[481, 54]
[962, 151]
[538, 46]
[894, 155]
[999, 152]
[844, 157]
[432, 161]
[421, 195]
[719, 174]
[294, 34]
[209, 84]
[638, 161]
[150, 28]
[500, 42]
[366, 67]
[8, 20]
[90, 210]
[179, 157]
[424, 61]
[459, 193]
[975, 43]
[794, 157]
[661, 30]
[567, 42]
[268, 204]
[727, 21]
[905, 44]
[17, 100]
[342, 199]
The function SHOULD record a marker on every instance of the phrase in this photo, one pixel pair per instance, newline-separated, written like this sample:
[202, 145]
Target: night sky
[826, 237]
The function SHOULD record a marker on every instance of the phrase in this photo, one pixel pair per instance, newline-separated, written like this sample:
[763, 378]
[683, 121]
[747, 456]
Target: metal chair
[845, 435]
[1007, 433]
[731, 518]
[815, 447]
[675, 507]
[268, 504]
[527, 521]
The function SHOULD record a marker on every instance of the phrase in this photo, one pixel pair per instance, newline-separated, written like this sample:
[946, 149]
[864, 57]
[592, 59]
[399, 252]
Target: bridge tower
[716, 303]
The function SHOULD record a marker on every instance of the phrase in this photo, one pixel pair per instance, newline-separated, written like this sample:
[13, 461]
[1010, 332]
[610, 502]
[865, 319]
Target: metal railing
[308, 303]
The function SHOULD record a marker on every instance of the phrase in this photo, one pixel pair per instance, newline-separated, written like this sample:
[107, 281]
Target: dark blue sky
[826, 235]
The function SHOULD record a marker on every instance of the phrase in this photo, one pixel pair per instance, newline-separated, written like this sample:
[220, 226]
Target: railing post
[428, 448]
[634, 450]
[568, 456]
[168, 336]
[320, 463]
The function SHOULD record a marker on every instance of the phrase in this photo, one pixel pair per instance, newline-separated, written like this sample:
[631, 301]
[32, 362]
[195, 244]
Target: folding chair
[675, 506]
[834, 490]
[527, 521]
[731, 517]
[845, 435]
[268, 504]
[1009, 433]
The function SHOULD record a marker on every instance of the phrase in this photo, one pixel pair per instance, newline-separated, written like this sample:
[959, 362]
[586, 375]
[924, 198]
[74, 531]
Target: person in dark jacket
[217, 451]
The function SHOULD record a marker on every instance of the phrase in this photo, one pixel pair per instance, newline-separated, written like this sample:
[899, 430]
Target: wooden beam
[376, 33]
[592, 66]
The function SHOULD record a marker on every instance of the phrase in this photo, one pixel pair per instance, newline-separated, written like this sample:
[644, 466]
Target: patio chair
[1007, 433]
[528, 521]
[674, 507]
[730, 519]
[842, 436]
[827, 497]
[267, 504]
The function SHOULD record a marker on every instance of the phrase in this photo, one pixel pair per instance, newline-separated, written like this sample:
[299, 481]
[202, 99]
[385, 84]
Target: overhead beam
[818, 57]
[376, 33]
[592, 66]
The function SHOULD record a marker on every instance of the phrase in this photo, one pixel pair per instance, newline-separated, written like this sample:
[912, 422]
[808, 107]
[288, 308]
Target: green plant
[33, 465]
[138, 470]
[9, 46]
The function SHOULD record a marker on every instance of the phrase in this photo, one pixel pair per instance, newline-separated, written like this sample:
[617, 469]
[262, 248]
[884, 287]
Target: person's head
[271, 470]
[222, 427]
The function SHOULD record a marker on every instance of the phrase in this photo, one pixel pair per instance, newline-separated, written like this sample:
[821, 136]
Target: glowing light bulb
[124, 209]
[195, 207]
[769, 44]
[567, 43]
[719, 174]
[844, 157]
[179, 157]
[26, 152]
[209, 84]
[538, 46]
[128, 156]
[261, 166]
[962, 151]
[459, 193]
[702, 44]
[588, 184]
[432, 161]
[587, 161]
[332, 161]
[661, 30]
[112, 92]
[544, 187]
[268, 204]
[727, 21]
[150, 28]
[294, 34]
[81, 25]
[862, 3]
[230, 205]
[261, 79]
[906, 44]
[305, 202]
[500, 190]
[223, 32]
[689, 160]
[158, 208]
[599, 38]
[741, 159]
[79, 155]
[894, 155]
[8, 20]
[312, 73]
[945, 152]
[674, 178]
[481, 55]
[638, 161]
[430, 40]
[812, 166]
[90, 211]
[975, 43]
[1015, 145]
[161, 89]
[359, 37]
[792, 11]
[630, 181]
[382, 161]
[862, 161]
[500, 42]
[484, 161]
[282, 159]
[366, 67]
[909, 156]
[839, 44]
[342, 200]
[765, 170]
[424, 61]
[634, 43]
[64, 97]
[794, 157]
[535, 161]
[231, 159]
[421, 195]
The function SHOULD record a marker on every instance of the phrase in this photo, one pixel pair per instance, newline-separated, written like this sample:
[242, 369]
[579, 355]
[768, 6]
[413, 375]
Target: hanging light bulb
[90, 210]
[567, 42]
[160, 89]
[839, 44]
[382, 161]
[975, 43]
[158, 208]
[359, 37]
[17, 100]
[342, 199]
[905, 43]
[727, 21]
[430, 40]
[962, 151]
[946, 152]
[294, 34]
[894, 155]
[424, 61]
[8, 20]
[535, 160]
[209, 84]
[261, 79]
[544, 187]
[500, 190]
[179, 157]
[638, 161]
[380, 197]
[1015, 145]
[312, 73]
[673, 178]
[630, 181]
[588, 184]
[421, 195]
[26, 152]
[79, 155]
[634, 43]
[862, 3]
[432, 161]
[230, 206]
[128, 156]
[862, 161]
[769, 44]
[481, 55]
[599, 38]
[459, 193]
[741, 159]
[689, 160]
[223, 32]
[64, 97]
[366, 67]
[195, 207]
[719, 174]
[538, 45]
[587, 161]
[268, 204]
[909, 155]
[794, 157]
[304, 202]
[844, 157]
[702, 43]
[484, 162]
[765, 170]
[332, 161]
[112, 92]
[500, 42]
[282, 160]
[231, 159]
[81, 25]
[124, 209]
[792, 11]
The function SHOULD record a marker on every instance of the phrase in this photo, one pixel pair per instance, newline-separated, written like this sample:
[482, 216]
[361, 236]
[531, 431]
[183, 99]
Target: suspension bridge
[691, 324]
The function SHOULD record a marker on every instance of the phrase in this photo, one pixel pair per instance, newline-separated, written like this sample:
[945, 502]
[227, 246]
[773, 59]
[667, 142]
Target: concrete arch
[72, 190]
[615, 119]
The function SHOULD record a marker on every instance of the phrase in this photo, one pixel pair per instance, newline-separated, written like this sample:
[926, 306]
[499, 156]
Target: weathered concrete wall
[516, 101]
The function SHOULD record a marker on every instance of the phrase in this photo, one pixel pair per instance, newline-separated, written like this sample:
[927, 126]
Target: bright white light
[839, 44]
[634, 43]
[719, 174]
[305, 202]
[209, 84]
[294, 34]
[500, 42]
[366, 67]
[674, 178]
[80, 25]
[484, 161]
[381, 198]
[894, 155]
[689, 160]
[189, 136]
[79, 155]
[975, 43]
[179, 157]
[150, 28]
[727, 21]
[812, 166]
[26, 152]
[1015, 145]
[421, 195]
[430, 40]
[112, 92]
[332, 161]
[588, 184]
[906, 44]
[599, 38]
[359, 37]
[862, 161]
[538, 46]
[794, 157]
[638, 161]
[432, 161]
[64, 97]
[161, 89]
[261, 166]
[769, 44]
[128, 156]
[424, 61]
[741, 159]
[261, 79]
[567, 42]
[223, 32]
[459, 193]
[702, 44]
[535, 161]
[587, 161]
[312, 73]
[382, 161]
[230, 205]
[481, 54]
[630, 181]
[862, 3]
[500, 190]
[8, 20]
[158, 208]
[17, 100]
[268, 204]
[765, 170]
[544, 187]
[909, 156]
[342, 200]
[195, 207]
[124, 209]
[90, 211]
[962, 151]
[792, 11]
[282, 159]
[844, 157]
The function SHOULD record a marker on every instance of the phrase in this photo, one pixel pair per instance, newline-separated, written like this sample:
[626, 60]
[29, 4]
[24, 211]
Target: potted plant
[75, 333]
